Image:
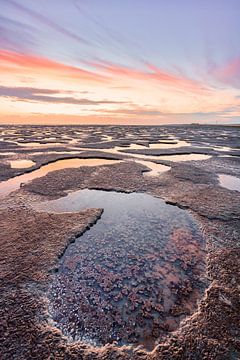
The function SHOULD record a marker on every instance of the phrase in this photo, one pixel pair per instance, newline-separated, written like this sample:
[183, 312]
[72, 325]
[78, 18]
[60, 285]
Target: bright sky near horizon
[119, 62]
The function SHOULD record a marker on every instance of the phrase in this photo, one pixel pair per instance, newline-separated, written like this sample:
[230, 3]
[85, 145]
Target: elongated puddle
[10, 185]
[170, 157]
[133, 276]
[184, 157]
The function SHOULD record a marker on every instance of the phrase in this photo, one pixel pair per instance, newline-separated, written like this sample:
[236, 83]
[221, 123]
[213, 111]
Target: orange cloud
[133, 111]
[66, 119]
[16, 62]
[22, 64]
[121, 93]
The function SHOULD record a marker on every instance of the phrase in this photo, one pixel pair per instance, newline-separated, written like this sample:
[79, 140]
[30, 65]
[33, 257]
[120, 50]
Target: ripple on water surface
[133, 276]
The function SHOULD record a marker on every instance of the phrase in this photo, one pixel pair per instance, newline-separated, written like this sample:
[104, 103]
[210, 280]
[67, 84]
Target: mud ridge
[77, 235]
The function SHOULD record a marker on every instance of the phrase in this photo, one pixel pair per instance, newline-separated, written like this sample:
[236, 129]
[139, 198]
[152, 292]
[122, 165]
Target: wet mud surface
[179, 283]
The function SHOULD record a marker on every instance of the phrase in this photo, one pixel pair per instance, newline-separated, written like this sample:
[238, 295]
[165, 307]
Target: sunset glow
[71, 62]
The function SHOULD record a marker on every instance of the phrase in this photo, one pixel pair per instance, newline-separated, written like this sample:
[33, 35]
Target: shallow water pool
[133, 276]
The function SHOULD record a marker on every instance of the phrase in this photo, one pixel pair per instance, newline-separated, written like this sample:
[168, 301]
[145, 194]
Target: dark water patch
[133, 277]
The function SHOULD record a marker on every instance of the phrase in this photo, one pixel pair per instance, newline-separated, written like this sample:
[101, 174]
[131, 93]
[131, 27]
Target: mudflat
[120, 242]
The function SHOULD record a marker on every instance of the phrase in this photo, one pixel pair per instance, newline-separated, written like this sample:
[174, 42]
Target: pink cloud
[24, 63]
[151, 72]
[228, 73]
[105, 72]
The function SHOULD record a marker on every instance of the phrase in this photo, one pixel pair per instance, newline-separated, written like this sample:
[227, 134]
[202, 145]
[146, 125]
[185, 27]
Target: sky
[119, 62]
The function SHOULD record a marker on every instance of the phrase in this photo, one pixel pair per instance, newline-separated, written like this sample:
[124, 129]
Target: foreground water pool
[133, 276]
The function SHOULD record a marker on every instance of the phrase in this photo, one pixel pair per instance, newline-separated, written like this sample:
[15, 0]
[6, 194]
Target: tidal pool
[133, 276]
[229, 182]
[13, 184]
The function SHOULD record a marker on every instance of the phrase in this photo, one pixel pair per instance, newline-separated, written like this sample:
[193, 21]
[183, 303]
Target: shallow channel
[6, 187]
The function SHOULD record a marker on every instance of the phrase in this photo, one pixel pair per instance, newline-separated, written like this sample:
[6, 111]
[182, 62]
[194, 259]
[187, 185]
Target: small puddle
[21, 164]
[229, 182]
[132, 146]
[107, 138]
[223, 148]
[133, 276]
[13, 184]
[38, 144]
[66, 152]
[7, 153]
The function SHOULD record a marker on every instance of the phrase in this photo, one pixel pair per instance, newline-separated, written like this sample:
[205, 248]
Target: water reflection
[21, 164]
[13, 184]
[175, 158]
[184, 157]
[229, 182]
[156, 169]
[133, 276]
[38, 144]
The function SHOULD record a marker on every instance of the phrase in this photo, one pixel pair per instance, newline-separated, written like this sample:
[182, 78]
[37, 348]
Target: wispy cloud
[15, 35]
[151, 72]
[28, 94]
[119, 41]
[133, 111]
[47, 22]
[102, 72]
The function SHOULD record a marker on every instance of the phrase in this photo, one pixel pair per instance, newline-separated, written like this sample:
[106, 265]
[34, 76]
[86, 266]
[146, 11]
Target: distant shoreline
[124, 125]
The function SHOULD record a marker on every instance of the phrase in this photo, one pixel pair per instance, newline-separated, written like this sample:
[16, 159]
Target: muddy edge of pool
[30, 247]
